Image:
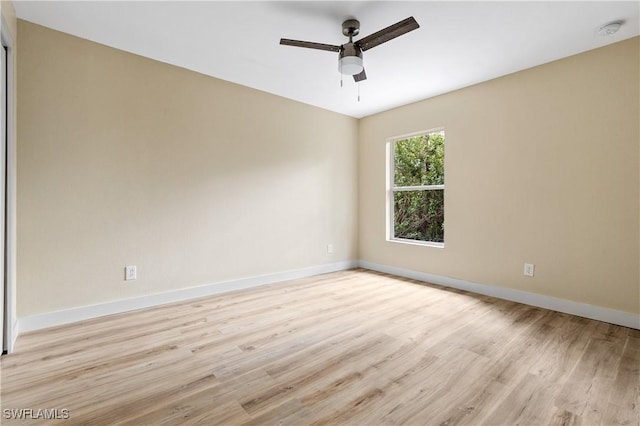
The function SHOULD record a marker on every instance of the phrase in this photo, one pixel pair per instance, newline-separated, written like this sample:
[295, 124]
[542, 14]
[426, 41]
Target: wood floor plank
[591, 383]
[353, 347]
[624, 402]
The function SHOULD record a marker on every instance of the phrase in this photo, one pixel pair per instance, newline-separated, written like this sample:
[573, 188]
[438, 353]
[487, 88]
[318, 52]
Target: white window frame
[392, 189]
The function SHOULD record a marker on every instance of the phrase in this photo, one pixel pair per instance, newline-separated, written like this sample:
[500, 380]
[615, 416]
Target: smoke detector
[609, 29]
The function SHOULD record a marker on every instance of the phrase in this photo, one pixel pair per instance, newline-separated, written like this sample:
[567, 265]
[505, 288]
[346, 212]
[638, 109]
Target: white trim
[626, 319]
[390, 229]
[416, 242]
[15, 329]
[417, 188]
[418, 133]
[10, 259]
[51, 319]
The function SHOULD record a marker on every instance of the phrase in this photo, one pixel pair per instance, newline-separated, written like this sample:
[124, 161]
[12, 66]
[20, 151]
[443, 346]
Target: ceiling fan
[350, 54]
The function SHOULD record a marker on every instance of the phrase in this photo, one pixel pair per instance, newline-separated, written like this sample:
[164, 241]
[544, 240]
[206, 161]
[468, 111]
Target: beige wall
[541, 167]
[9, 15]
[124, 160]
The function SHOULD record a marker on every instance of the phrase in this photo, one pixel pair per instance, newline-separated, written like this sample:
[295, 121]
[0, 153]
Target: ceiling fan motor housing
[349, 49]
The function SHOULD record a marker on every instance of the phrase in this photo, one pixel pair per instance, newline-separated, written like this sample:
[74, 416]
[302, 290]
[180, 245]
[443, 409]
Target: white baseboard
[15, 329]
[626, 319]
[51, 319]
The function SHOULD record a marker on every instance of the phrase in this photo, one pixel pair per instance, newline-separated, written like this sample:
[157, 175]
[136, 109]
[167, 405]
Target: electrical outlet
[329, 248]
[529, 269]
[130, 272]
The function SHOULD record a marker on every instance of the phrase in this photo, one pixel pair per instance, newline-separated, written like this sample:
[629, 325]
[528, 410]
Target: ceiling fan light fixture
[350, 65]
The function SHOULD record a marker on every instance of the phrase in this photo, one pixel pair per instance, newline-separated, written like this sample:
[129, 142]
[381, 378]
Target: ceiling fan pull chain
[358, 91]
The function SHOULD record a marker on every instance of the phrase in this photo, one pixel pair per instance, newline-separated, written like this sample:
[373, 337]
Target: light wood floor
[353, 347]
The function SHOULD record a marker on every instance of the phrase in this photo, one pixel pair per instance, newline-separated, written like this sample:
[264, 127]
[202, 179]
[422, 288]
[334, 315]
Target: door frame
[10, 321]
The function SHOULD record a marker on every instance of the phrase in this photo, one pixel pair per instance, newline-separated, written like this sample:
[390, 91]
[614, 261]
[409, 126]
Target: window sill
[416, 242]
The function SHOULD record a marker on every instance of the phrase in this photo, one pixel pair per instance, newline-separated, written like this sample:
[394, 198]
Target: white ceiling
[457, 45]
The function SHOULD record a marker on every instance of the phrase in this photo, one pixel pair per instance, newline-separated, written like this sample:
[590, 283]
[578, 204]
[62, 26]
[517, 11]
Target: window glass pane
[419, 215]
[419, 160]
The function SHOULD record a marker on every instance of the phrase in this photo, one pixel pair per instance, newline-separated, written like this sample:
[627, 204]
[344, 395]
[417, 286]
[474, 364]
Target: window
[416, 189]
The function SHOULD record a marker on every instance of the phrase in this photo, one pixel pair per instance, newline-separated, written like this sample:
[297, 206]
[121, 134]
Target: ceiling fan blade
[389, 33]
[310, 45]
[360, 77]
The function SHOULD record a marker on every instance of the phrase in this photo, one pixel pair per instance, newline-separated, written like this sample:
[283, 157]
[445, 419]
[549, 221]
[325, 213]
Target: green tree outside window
[418, 188]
